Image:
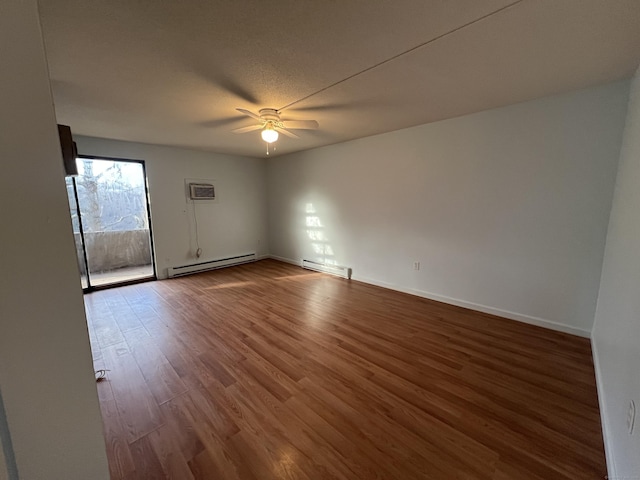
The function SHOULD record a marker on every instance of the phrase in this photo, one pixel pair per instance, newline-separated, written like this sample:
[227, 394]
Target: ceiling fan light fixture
[268, 134]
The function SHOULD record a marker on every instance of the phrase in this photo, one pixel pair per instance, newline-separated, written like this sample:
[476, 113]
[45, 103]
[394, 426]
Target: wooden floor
[267, 371]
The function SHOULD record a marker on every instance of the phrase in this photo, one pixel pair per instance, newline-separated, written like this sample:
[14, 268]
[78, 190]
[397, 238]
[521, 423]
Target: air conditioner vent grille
[201, 191]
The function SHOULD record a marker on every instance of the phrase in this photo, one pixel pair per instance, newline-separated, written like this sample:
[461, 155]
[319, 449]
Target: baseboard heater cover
[344, 272]
[211, 265]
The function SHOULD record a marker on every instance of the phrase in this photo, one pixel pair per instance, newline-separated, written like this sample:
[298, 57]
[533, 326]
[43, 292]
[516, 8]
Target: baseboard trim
[478, 307]
[286, 260]
[608, 449]
[540, 322]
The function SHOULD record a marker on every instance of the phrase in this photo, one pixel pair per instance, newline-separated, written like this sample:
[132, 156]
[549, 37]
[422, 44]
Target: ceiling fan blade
[301, 124]
[247, 129]
[286, 132]
[248, 113]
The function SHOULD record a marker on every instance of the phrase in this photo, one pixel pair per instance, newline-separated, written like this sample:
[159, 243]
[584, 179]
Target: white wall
[46, 372]
[616, 333]
[235, 223]
[506, 210]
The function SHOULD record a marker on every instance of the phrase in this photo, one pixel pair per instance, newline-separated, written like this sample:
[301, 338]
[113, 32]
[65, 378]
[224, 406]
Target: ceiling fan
[271, 124]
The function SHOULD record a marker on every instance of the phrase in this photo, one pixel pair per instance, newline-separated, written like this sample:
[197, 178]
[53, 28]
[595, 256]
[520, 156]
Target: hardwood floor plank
[389, 456]
[182, 428]
[419, 427]
[148, 466]
[167, 450]
[118, 451]
[106, 330]
[267, 371]
[291, 429]
[282, 453]
[160, 377]
[360, 462]
[137, 408]
[204, 466]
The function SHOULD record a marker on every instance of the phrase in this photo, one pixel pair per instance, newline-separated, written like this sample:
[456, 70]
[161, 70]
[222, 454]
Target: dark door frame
[91, 288]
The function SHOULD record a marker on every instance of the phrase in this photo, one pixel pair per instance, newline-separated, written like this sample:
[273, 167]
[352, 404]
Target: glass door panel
[77, 231]
[114, 219]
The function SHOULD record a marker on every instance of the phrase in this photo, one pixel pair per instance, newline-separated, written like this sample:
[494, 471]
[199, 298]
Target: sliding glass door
[110, 215]
[77, 231]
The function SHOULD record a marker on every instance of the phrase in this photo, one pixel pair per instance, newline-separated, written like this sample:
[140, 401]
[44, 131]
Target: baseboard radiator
[344, 272]
[211, 265]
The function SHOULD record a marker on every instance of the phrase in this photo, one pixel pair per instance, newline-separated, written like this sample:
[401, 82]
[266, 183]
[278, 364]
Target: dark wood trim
[90, 287]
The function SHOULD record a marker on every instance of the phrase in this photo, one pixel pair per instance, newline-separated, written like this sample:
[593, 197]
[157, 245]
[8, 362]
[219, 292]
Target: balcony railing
[113, 250]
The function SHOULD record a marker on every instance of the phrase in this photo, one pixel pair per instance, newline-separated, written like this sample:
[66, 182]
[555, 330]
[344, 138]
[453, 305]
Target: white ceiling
[173, 72]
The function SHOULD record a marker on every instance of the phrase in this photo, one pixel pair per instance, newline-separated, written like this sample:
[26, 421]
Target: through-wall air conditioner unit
[201, 191]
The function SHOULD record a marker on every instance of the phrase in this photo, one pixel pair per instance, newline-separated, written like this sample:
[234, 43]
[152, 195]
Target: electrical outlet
[416, 265]
[631, 416]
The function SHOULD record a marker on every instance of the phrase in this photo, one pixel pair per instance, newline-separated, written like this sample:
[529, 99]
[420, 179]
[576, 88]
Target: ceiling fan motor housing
[270, 123]
[269, 114]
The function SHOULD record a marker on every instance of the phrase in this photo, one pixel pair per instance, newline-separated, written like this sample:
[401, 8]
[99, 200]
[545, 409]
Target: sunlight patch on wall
[322, 250]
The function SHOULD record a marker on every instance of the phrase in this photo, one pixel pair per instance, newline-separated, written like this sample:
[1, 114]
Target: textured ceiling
[173, 72]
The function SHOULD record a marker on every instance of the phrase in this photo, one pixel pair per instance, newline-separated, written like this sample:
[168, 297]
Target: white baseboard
[286, 260]
[608, 449]
[541, 322]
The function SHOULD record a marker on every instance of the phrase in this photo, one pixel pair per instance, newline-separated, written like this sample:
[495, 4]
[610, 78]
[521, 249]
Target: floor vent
[211, 265]
[344, 272]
